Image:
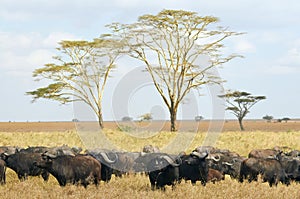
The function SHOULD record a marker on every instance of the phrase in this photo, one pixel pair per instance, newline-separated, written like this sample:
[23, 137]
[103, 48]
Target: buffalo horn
[214, 158]
[227, 163]
[170, 161]
[272, 157]
[50, 155]
[201, 156]
[105, 157]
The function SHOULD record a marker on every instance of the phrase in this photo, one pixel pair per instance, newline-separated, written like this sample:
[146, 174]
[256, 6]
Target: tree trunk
[241, 124]
[100, 119]
[173, 115]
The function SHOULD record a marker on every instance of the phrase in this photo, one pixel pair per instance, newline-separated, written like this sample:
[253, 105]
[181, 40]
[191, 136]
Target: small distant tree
[285, 119]
[268, 118]
[126, 119]
[279, 120]
[239, 103]
[198, 118]
[146, 117]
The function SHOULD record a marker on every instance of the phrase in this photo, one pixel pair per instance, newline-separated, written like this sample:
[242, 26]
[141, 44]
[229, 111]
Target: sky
[30, 31]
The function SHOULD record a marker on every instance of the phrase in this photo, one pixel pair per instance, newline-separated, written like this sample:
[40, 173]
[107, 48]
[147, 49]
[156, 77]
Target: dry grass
[25, 139]
[138, 186]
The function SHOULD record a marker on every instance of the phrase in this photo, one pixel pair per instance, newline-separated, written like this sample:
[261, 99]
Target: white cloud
[27, 51]
[53, 38]
[288, 63]
[10, 61]
[14, 16]
[18, 41]
[294, 52]
[292, 57]
[244, 46]
[282, 70]
[270, 37]
[34, 59]
[39, 57]
[18, 74]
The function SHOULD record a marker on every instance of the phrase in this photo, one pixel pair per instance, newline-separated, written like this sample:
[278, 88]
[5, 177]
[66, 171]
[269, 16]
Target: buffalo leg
[22, 177]
[45, 175]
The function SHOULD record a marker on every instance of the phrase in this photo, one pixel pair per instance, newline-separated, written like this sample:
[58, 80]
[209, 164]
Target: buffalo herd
[70, 165]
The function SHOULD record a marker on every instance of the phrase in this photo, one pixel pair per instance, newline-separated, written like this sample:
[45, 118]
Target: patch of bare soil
[203, 126]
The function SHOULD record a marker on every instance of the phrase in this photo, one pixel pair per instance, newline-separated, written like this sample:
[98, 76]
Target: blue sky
[30, 31]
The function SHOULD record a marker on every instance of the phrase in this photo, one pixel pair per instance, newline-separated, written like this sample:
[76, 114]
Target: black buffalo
[34, 149]
[271, 171]
[83, 169]
[214, 176]
[107, 159]
[194, 167]
[9, 150]
[125, 163]
[225, 161]
[23, 165]
[143, 160]
[206, 149]
[2, 171]
[292, 167]
[150, 149]
[293, 153]
[264, 153]
[163, 170]
[115, 162]
[56, 151]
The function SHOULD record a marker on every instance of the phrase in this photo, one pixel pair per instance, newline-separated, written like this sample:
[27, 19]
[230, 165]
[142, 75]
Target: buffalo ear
[3, 156]
[46, 157]
[18, 150]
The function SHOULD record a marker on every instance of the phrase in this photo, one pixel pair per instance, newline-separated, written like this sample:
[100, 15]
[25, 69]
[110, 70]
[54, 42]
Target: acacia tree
[80, 73]
[268, 118]
[239, 103]
[179, 51]
[146, 117]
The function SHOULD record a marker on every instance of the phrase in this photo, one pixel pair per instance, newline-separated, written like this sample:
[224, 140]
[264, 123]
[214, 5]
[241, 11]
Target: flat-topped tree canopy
[179, 48]
[239, 103]
[79, 72]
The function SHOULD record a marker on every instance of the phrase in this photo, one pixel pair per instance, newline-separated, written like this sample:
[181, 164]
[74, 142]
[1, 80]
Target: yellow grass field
[138, 186]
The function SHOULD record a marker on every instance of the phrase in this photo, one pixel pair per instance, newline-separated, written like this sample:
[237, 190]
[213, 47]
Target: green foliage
[285, 119]
[198, 118]
[146, 117]
[240, 102]
[268, 118]
[127, 119]
[52, 91]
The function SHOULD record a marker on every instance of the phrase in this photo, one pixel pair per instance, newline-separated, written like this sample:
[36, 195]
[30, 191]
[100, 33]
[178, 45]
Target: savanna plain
[258, 135]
